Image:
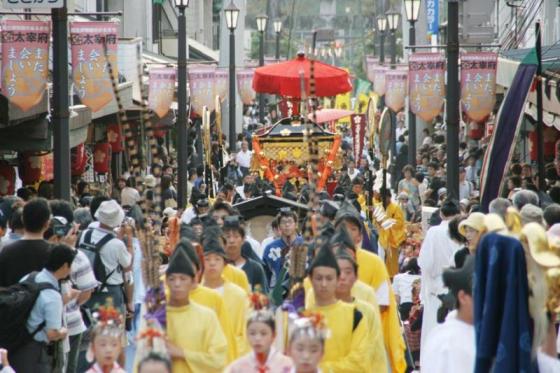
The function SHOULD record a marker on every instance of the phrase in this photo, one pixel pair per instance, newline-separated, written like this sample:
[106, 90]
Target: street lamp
[393, 23]
[262, 21]
[412, 8]
[381, 27]
[278, 30]
[232, 15]
[182, 131]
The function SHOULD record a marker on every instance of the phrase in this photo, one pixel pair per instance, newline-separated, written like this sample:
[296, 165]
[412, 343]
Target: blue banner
[432, 16]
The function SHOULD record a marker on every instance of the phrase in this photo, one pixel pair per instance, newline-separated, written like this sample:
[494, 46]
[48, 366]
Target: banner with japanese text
[202, 88]
[93, 45]
[358, 134]
[245, 86]
[25, 61]
[222, 82]
[478, 84]
[426, 84]
[162, 90]
[371, 63]
[379, 79]
[395, 89]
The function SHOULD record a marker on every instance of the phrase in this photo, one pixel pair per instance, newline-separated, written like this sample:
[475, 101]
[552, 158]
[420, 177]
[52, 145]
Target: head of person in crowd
[193, 251]
[449, 209]
[524, 197]
[288, 224]
[154, 363]
[228, 189]
[220, 211]
[192, 174]
[551, 214]
[83, 217]
[408, 172]
[554, 193]
[531, 214]
[45, 190]
[110, 215]
[168, 170]
[16, 222]
[59, 261]
[348, 275]
[197, 226]
[454, 233]
[261, 326]
[350, 166]
[234, 237]
[24, 193]
[180, 279]
[327, 212]
[499, 206]
[156, 170]
[348, 220]
[36, 217]
[460, 283]
[358, 185]
[95, 203]
[106, 338]
[526, 170]
[433, 168]
[215, 259]
[410, 266]
[307, 345]
[202, 205]
[324, 274]
[166, 182]
[442, 194]
[82, 188]
[515, 169]
[472, 229]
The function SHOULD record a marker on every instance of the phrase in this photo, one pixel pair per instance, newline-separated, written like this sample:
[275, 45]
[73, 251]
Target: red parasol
[283, 78]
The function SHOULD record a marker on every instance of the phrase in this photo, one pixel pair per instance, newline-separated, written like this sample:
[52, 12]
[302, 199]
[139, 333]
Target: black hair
[419, 177]
[551, 214]
[449, 208]
[80, 187]
[516, 181]
[344, 256]
[16, 220]
[60, 255]
[24, 193]
[36, 215]
[155, 358]
[287, 214]
[350, 219]
[454, 230]
[554, 194]
[221, 206]
[166, 182]
[412, 267]
[433, 165]
[46, 190]
[95, 203]
[62, 208]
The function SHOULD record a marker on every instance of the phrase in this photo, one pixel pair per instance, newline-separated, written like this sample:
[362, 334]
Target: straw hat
[474, 221]
[110, 213]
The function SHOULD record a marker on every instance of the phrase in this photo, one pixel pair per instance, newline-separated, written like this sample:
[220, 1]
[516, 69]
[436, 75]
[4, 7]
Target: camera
[60, 226]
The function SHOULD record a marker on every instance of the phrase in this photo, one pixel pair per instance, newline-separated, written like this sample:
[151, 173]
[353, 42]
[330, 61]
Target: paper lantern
[7, 179]
[30, 168]
[102, 158]
[476, 130]
[114, 137]
[79, 160]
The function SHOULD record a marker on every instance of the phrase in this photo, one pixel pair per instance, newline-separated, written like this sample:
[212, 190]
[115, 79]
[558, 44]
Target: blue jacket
[501, 307]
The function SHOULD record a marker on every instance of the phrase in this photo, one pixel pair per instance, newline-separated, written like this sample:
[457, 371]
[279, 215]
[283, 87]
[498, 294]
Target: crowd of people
[373, 278]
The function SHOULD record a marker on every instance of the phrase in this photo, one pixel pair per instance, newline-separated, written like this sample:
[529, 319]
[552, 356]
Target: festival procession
[279, 186]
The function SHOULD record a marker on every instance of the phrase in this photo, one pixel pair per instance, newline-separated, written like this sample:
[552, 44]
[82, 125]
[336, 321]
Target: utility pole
[453, 91]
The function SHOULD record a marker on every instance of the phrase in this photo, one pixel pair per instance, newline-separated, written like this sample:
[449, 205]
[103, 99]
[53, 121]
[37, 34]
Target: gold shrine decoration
[296, 151]
[332, 158]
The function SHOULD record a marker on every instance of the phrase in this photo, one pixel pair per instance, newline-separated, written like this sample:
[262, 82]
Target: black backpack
[16, 303]
[93, 253]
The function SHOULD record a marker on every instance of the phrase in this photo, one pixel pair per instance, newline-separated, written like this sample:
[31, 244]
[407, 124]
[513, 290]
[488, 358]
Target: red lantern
[550, 135]
[30, 168]
[7, 179]
[102, 157]
[114, 136]
[476, 130]
[79, 160]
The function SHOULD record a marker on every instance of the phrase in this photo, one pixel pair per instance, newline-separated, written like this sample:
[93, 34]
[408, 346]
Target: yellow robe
[236, 276]
[370, 268]
[237, 303]
[195, 329]
[391, 239]
[359, 291]
[377, 355]
[212, 299]
[346, 349]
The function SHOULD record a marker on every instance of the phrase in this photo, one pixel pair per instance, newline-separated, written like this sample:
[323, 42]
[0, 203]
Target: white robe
[450, 347]
[437, 253]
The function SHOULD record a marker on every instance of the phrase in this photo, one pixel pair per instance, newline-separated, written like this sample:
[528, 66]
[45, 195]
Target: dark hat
[460, 279]
[187, 232]
[348, 211]
[327, 230]
[180, 263]
[213, 245]
[186, 247]
[358, 180]
[329, 209]
[324, 258]
[338, 197]
[342, 238]
[235, 223]
[203, 202]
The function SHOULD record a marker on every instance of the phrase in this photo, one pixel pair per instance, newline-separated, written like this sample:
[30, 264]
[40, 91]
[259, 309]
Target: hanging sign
[162, 90]
[426, 84]
[371, 63]
[358, 134]
[379, 80]
[478, 84]
[222, 82]
[432, 16]
[245, 86]
[33, 4]
[202, 85]
[89, 61]
[25, 61]
[395, 89]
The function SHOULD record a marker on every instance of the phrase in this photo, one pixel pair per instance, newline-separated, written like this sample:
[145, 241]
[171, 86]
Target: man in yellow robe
[347, 348]
[195, 341]
[392, 232]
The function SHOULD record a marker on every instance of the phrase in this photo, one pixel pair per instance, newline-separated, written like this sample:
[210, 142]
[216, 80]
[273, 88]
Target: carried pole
[182, 130]
[453, 91]
[261, 95]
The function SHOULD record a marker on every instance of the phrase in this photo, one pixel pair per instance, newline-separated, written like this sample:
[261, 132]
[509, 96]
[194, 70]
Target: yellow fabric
[212, 299]
[236, 276]
[346, 349]
[194, 328]
[237, 303]
[370, 268]
[360, 291]
[377, 355]
[391, 239]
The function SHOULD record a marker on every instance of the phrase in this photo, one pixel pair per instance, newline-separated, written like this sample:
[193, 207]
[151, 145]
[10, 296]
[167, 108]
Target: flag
[362, 87]
[502, 144]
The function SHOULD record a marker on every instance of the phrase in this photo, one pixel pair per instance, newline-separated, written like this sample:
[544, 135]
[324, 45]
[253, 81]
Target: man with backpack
[31, 252]
[43, 325]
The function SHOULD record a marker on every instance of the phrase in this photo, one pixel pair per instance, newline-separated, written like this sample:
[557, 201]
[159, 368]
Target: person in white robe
[436, 254]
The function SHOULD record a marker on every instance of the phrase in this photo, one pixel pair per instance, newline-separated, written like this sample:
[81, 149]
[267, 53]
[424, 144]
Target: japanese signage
[395, 89]
[358, 134]
[426, 84]
[432, 17]
[222, 82]
[162, 90]
[371, 63]
[245, 86]
[478, 84]
[202, 85]
[33, 4]
[25, 61]
[379, 80]
[93, 44]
